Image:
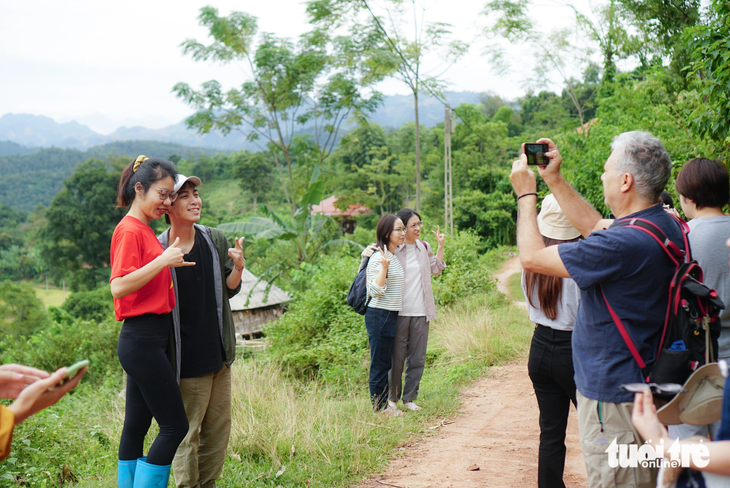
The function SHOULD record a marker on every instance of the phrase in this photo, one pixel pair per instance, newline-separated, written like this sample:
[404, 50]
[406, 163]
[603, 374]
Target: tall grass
[478, 329]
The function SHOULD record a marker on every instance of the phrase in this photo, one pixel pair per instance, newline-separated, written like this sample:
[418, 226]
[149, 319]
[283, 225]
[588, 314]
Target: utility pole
[448, 195]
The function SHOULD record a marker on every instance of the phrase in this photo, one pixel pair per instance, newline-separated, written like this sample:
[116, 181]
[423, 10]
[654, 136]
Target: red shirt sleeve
[126, 254]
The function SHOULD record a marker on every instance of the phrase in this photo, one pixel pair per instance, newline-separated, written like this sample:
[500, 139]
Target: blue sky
[73, 58]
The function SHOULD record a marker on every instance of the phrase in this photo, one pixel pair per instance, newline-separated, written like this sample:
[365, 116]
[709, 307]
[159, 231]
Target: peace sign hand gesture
[384, 259]
[439, 236]
[237, 254]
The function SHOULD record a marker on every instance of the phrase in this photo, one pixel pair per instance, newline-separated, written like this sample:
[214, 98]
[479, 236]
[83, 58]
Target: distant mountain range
[24, 132]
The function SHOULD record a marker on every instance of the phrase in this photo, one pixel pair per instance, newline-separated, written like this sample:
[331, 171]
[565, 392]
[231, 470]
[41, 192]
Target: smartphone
[536, 154]
[74, 368]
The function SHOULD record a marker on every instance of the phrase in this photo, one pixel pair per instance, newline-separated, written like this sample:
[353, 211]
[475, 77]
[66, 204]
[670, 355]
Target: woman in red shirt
[143, 298]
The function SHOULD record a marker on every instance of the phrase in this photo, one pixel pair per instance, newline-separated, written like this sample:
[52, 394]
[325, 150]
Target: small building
[346, 218]
[252, 310]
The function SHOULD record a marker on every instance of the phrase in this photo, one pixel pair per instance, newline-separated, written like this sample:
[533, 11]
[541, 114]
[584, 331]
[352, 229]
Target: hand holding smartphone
[74, 368]
[536, 154]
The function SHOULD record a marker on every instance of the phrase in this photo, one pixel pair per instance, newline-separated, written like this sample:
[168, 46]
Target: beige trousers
[200, 457]
[597, 431]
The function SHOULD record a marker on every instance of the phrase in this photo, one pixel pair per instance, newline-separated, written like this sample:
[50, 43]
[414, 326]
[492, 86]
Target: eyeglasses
[417, 225]
[402, 230]
[165, 194]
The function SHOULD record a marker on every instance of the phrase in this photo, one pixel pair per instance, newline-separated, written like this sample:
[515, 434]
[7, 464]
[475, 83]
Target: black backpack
[692, 325]
[358, 297]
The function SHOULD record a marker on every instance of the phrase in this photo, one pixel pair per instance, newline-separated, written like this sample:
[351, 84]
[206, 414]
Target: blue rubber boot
[151, 475]
[125, 473]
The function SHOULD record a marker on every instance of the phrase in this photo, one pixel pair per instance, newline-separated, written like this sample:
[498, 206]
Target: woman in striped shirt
[385, 280]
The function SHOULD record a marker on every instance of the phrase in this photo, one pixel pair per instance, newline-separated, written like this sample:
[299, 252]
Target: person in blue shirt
[625, 265]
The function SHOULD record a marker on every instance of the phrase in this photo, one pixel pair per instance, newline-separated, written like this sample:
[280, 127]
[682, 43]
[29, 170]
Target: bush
[21, 312]
[468, 271]
[95, 305]
[65, 342]
[320, 335]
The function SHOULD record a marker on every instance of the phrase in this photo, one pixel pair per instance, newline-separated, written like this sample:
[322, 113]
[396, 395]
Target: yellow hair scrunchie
[140, 160]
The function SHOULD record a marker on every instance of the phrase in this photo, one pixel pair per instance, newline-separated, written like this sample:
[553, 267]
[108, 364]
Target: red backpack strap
[627, 338]
[676, 254]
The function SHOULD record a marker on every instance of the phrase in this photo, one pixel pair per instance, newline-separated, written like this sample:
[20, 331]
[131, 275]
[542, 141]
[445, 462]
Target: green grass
[515, 288]
[52, 297]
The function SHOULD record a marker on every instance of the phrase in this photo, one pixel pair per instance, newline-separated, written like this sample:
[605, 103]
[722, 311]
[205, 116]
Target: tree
[21, 312]
[309, 233]
[709, 69]
[317, 81]
[554, 52]
[81, 221]
[662, 23]
[490, 103]
[407, 50]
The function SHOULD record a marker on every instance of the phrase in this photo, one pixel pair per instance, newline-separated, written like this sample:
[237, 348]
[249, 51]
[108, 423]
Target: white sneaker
[412, 406]
[392, 404]
[392, 411]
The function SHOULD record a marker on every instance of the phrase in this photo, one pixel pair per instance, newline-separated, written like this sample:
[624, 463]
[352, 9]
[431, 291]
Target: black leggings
[152, 390]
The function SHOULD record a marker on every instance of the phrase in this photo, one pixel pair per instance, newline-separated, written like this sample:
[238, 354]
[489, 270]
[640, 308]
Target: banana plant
[310, 234]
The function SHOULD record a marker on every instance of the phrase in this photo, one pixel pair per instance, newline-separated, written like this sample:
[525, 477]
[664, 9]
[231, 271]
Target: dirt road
[492, 442]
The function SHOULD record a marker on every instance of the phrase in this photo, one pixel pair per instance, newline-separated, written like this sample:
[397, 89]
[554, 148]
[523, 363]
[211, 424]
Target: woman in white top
[385, 287]
[552, 303]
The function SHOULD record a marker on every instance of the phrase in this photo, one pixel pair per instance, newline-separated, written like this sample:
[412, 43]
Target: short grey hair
[645, 157]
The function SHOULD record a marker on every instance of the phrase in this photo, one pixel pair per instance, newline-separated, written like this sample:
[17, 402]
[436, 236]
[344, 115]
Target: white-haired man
[627, 266]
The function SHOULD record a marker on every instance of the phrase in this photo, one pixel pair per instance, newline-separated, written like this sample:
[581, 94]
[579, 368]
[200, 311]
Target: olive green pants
[200, 457]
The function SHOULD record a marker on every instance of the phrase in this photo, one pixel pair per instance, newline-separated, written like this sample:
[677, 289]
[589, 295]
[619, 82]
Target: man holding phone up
[205, 342]
[627, 267]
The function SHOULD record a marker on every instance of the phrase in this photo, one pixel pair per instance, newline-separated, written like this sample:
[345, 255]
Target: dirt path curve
[491, 442]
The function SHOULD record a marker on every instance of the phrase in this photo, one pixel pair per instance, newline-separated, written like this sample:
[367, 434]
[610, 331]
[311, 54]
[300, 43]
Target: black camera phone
[536, 154]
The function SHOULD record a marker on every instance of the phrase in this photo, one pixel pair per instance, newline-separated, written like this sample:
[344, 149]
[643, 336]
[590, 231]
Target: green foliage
[35, 178]
[21, 312]
[81, 221]
[18, 263]
[710, 70]
[30, 179]
[319, 80]
[320, 336]
[661, 25]
[634, 105]
[96, 305]
[309, 233]
[490, 215]
[468, 269]
[72, 441]
[66, 341]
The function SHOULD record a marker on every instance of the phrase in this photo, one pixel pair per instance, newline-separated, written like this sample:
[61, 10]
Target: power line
[405, 61]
